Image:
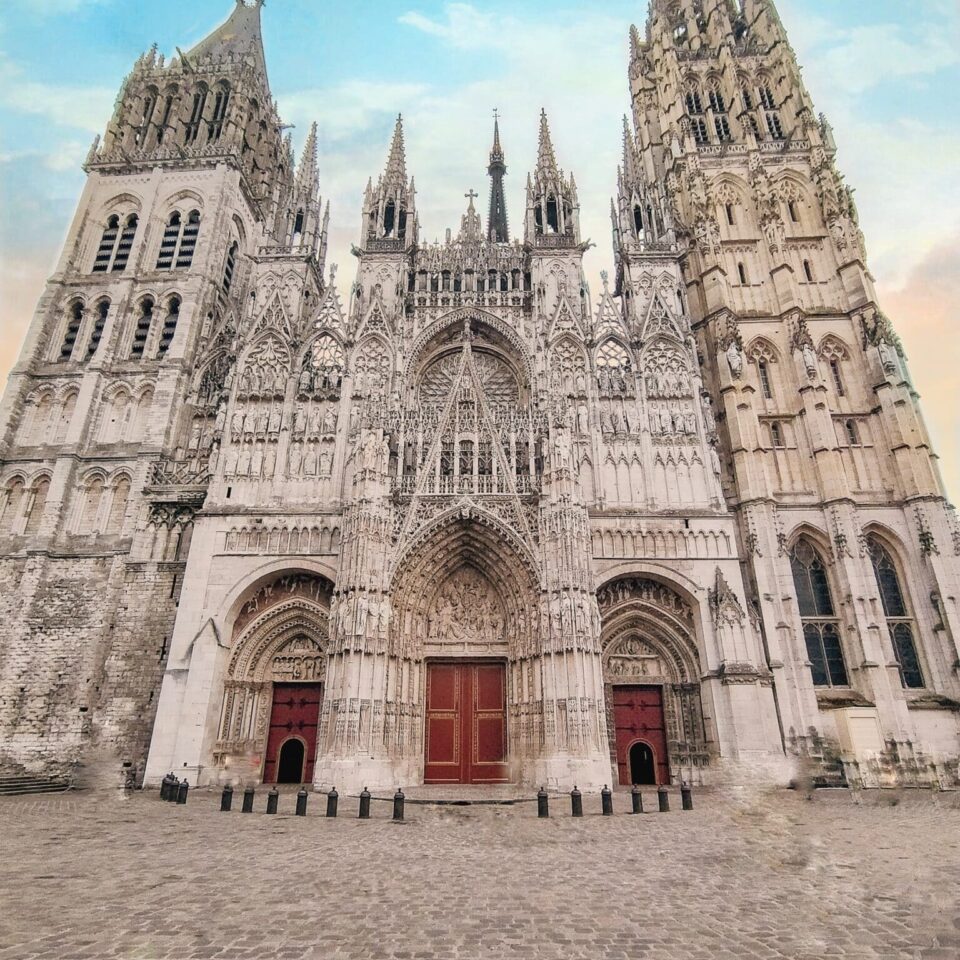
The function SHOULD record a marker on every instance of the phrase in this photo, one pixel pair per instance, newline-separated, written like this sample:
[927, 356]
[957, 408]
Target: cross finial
[471, 195]
[496, 114]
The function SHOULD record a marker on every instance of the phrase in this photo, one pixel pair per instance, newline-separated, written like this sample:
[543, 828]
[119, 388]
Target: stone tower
[468, 525]
[826, 463]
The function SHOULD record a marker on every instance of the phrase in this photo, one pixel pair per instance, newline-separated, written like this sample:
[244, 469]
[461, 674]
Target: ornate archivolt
[649, 638]
[280, 636]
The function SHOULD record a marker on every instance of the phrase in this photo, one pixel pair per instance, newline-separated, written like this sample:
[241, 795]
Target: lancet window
[141, 331]
[196, 115]
[116, 243]
[821, 626]
[101, 312]
[179, 241]
[230, 267]
[220, 105]
[900, 624]
[169, 329]
[74, 322]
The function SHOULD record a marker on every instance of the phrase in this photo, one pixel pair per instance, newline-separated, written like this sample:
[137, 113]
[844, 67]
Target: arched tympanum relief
[649, 639]
[280, 635]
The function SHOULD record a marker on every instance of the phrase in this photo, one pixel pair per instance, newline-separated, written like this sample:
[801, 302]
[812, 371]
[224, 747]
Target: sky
[885, 72]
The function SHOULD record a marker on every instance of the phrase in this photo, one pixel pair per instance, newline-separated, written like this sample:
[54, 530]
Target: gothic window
[446, 458]
[897, 613]
[188, 243]
[37, 503]
[613, 356]
[168, 101]
[389, 218]
[466, 458]
[766, 98]
[108, 243]
[169, 326]
[837, 374]
[764, 371]
[66, 415]
[793, 211]
[853, 435]
[125, 244]
[717, 101]
[74, 322]
[230, 267]
[220, 105]
[776, 435]
[754, 126]
[821, 626]
[149, 105]
[142, 330]
[774, 126]
[699, 126]
[553, 216]
[92, 495]
[638, 220]
[485, 459]
[171, 237]
[742, 272]
[731, 214]
[297, 227]
[101, 311]
[120, 496]
[808, 271]
[722, 125]
[196, 115]
[747, 98]
[694, 103]
[402, 224]
[10, 505]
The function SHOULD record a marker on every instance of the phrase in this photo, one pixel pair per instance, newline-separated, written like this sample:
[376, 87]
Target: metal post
[398, 801]
[172, 790]
[663, 797]
[606, 801]
[332, 798]
[165, 787]
[273, 798]
[543, 804]
[226, 800]
[364, 804]
[182, 790]
[248, 796]
[576, 802]
[636, 798]
[686, 796]
[302, 802]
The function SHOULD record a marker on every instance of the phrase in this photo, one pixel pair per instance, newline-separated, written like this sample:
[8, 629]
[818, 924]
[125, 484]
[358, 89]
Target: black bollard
[273, 798]
[686, 796]
[364, 804]
[543, 804]
[165, 787]
[576, 802]
[398, 801]
[332, 799]
[663, 798]
[302, 802]
[226, 800]
[248, 796]
[173, 790]
[636, 798]
[606, 801]
[182, 790]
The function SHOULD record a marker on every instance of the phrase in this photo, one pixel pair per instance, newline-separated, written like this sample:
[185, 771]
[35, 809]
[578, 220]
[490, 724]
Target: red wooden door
[295, 714]
[466, 723]
[641, 735]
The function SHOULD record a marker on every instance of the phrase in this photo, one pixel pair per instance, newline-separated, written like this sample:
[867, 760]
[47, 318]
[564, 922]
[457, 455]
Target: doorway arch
[291, 761]
[643, 764]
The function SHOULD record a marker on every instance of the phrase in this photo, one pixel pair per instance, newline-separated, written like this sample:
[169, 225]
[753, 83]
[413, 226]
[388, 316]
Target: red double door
[641, 735]
[466, 723]
[292, 741]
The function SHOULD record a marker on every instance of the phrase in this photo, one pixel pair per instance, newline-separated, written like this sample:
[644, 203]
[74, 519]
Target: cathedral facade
[466, 523]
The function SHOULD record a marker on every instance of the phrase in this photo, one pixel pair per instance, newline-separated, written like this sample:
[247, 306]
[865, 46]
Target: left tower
[113, 416]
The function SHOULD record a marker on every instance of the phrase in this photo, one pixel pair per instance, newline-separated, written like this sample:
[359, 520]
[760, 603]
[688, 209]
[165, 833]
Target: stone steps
[26, 786]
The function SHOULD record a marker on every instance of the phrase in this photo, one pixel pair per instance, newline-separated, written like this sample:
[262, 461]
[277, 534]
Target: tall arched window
[38, 501]
[142, 330]
[74, 322]
[118, 506]
[125, 244]
[169, 326]
[179, 241]
[149, 105]
[88, 519]
[837, 372]
[188, 244]
[230, 267]
[108, 243]
[67, 409]
[220, 105]
[171, 237]
[11, 503]
[169, 99]
[101, 311]
[763, 370]
[895, 609]
[196, 115]
[821, 626]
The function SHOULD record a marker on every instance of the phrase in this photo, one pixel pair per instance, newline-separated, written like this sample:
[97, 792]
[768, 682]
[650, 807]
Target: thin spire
[629, 153]
[240, 36]
[498, 229]
[307, 175]
[546, 158]
[397, 161]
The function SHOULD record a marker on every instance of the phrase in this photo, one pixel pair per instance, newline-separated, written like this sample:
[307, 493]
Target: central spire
[497, 227]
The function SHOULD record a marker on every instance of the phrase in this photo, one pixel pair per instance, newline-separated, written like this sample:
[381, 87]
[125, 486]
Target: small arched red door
[640, 727]
[295, 715]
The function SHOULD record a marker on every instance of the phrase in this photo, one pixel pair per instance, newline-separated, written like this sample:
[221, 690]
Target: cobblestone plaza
[749, 876]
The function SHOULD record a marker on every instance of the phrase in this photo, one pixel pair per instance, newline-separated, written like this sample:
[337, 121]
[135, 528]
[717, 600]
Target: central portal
[466, 723]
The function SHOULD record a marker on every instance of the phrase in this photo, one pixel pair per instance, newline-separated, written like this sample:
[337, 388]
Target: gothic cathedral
[467, 523]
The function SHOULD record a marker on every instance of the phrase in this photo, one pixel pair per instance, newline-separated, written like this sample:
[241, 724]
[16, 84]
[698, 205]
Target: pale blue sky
[886, 73]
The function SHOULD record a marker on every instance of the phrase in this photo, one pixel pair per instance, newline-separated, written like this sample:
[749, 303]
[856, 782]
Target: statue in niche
[735, 359]
[809, 360]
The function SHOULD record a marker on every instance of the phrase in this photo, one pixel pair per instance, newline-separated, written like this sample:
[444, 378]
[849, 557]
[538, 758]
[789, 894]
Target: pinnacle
[397, 161]
[240, 36]
[629, 153]
[496, 154]
[307, 174]
[546, 158]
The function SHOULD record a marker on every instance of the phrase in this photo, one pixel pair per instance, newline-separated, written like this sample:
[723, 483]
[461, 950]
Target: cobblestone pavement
[743, 876]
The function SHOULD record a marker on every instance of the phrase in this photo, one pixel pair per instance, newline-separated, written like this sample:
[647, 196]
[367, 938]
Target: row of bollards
[606, 801]
[173, 790]
[333, 802]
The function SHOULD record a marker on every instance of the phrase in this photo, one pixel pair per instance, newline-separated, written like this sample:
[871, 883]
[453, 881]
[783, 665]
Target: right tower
[849, 544]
